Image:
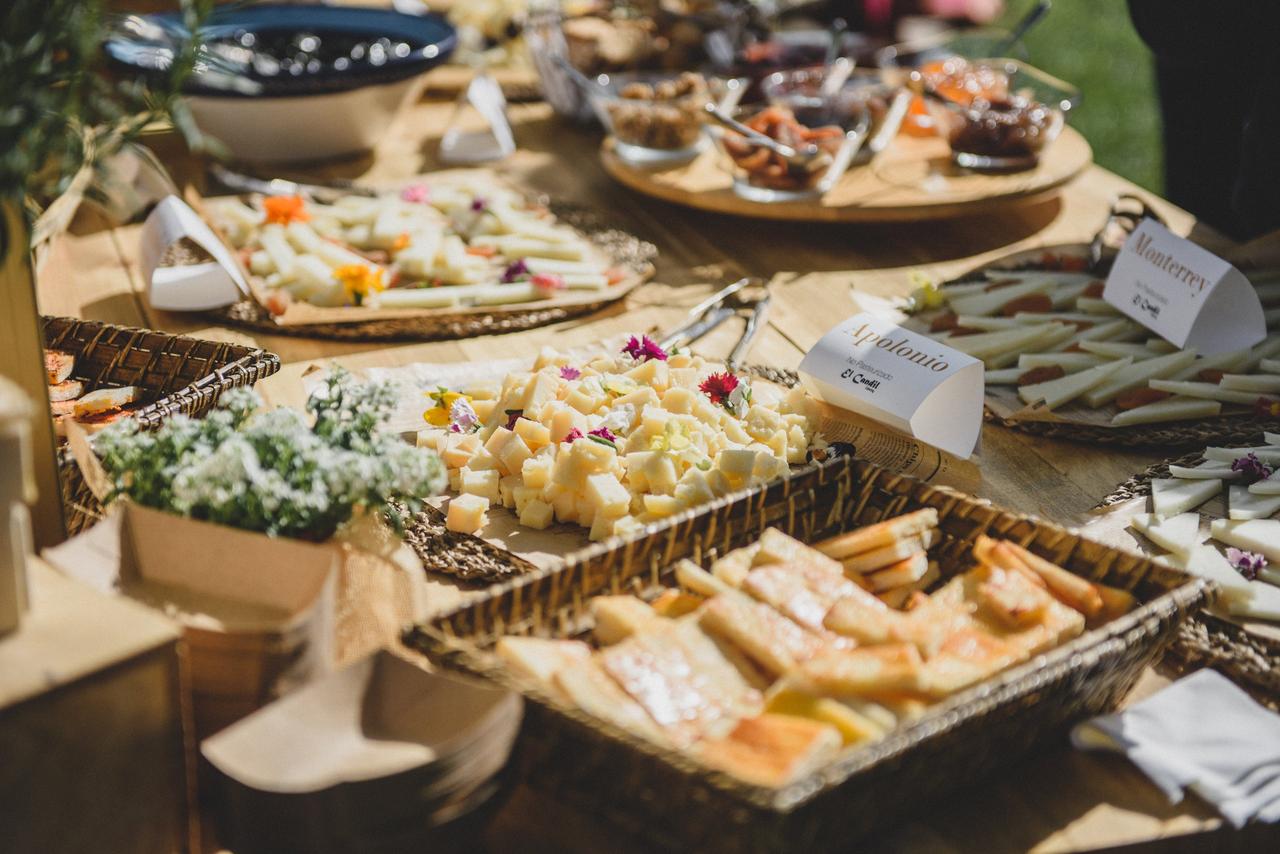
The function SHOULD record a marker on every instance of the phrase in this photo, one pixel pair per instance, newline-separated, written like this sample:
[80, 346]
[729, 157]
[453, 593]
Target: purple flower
[643, 349]
[572, 436]
[514, 271]
[479, 205]
[1253, 468]
[604, 433]
[569, 372]
[1249, 564]
[462, 417]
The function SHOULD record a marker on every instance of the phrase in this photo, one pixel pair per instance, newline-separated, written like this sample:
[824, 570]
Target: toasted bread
[879, 535]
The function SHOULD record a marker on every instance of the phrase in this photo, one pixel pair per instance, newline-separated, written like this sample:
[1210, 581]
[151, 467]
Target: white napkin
[1203, 734]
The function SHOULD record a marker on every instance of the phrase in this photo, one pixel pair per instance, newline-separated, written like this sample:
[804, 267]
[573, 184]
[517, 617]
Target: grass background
[1092, 44]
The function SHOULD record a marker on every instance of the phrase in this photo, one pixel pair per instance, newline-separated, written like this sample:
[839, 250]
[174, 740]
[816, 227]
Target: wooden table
[1057, 800]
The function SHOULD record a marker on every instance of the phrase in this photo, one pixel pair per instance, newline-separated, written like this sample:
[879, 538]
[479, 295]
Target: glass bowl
[998, 115]
[760, 175]
[654, 118]
[800, 90]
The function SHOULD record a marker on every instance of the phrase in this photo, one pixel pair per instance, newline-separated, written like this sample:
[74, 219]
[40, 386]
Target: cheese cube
[762, 422]
[654, 418]
[733, 431]
[678, 399]
[693, 489]
[654, 373]
[608, 496]
[737, 464]
[685, 377]
[584, 401]
[482, 390]
[482, 460]
[660, 474]
[536, 471]
[539, 391]
[565, 506]
[536, 514]
[482, 483]
[455, 480]
[513, 454]
[497, 440]
[679, 360]
[467, 514]
[635, 463]
[601, 528]
[455, 453]
[484, 409]
[547, 357]
[522, 495]
[564, 421]
[640, 398]
[534, 433]
[662, 505]
[506, 489]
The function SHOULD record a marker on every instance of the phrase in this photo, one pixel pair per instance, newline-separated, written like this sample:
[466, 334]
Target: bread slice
[880, 534]
[773, 750]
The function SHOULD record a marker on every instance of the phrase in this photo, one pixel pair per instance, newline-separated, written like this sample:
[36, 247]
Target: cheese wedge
[1069, 362]
[1111, 330]
[1271, 438]
[1171, 496]
[1254, 535]
[1054, 393]
[1004, 376]
[1205, 471]
[1173, 409]
[1221, 362]
[990, 302]
[1270, 486]
[1264, 350]
[1178, 534]
[1095, 305]
[105, 400]
[1243, 504]
[987, 344]
[1071, 317]
[1266, 453]
[990, 324]
[1139, 374]
[1263, 603]
[1046, 342]
[1271, 366]
[1117, 349]
[1206, 561]
[1263, 384]
[1205, 391]
[1058, 278]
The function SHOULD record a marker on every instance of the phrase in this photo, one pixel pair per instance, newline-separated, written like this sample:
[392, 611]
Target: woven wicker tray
[176, 375]
[1206, 640]
[625, 250]
[1231, 427]
[671, 801]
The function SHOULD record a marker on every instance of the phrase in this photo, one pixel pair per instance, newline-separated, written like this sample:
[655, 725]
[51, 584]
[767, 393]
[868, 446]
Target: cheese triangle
[1205, 471]
[1270, 486]
[1221, 362]
[990, 302]
[1243, 504]
[1262, 384]
[1205, 391]
[1206, 561]
[1266, 453]
[1069, 362]
[1263, 603]
[1173, 409]
[1054, 393]
[986, 344]
[1178, 534]
[1138, 374]
[1171, 496]
[1253, 535]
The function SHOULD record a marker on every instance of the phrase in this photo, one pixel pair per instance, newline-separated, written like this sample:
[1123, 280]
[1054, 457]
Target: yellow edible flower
[359, 281]
[438, 415]
[926, 296]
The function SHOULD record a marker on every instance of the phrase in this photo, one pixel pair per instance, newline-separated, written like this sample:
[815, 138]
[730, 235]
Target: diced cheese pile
[442, 243]
[614, 442]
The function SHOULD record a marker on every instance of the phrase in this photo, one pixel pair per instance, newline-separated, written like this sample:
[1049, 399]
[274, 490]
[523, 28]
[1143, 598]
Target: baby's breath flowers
[275, 471]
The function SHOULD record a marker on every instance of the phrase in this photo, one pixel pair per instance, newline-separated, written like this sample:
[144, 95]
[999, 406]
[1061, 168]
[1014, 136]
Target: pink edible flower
[643, 349]
[1253, 468]
[568, 372]
[1249, 564]
[547, 283]
[604, 433]
[718, 387]
[572, 436]
[416, 193]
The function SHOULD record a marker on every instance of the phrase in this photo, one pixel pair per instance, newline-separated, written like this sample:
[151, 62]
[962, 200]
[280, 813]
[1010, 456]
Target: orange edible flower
[285, 209]
[400, 242]
[359, 281]
[482, 251]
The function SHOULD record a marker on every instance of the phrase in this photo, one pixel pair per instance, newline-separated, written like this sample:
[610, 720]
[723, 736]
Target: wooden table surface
[1057, 800]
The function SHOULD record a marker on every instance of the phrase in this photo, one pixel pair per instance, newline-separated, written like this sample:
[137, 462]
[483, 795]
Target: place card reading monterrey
[909, 382]
[192, 287]
[1184, 293]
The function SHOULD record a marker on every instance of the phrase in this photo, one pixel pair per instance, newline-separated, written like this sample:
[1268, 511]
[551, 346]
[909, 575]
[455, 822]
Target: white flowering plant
[276, 471]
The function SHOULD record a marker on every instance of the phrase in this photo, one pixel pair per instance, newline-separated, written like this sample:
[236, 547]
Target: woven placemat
[625, 250]
[1204, 640]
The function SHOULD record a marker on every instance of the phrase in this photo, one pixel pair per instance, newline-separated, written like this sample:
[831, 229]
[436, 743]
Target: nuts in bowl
[652, 117]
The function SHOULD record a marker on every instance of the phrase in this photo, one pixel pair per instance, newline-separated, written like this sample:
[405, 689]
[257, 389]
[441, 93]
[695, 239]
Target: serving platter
[1075, 421]
[631, 256]
[913, 179]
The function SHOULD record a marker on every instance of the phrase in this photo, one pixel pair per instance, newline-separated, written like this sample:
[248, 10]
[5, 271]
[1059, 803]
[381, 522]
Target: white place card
[195, 287]
[1184, 293]
[899, 378]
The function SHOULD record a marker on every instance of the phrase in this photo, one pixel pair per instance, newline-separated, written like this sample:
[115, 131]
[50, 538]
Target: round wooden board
[914, 179]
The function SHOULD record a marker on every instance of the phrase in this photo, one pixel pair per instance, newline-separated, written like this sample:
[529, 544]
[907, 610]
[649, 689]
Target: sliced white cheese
[1266, 383]
[1270, 486]
[1221, 362]
[1139, 374]
[1205, 391]
[1059, 316]
[1055, 277]
[990, 302]
[1045, 342]
[1173, 409]
[1117, 349]
[1266, 453]
[1267, 348]
[1253, 535]
[1243, 504]
[1067, 292]
[1095, 305]
[414, 298]
[1171, 496]
[1271, 366]
[986, 344]
[1206, 561]
[1004, 376]
[1054, 393]
[1159, 345]
[1112, 330]
[1069, 362]
[989, 324]
[1206, 470]
[1262, 603]
[1178, 534]
[1271, 438]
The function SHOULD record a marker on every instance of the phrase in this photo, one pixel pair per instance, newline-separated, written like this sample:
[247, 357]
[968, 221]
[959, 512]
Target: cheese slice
[1263, 603]
[1072, 317]
[1264, 350]
[990, 324]
[1205, 471]
[1253, 535]
[1205, 391]
[1265, 383]
[1069, 362]
[1271, 438]
[1139, 374]
[1094, 305]
[1206, 561]
[1112, 330]
[990, 302]
[1243, 504]
[1221, 362]
[1171, 496]
[1178, 534]
[1173, 409]
[1266, 453]
[986, 344]
[1159, 345]
[1270, 486]
[1045, 342]
[1004, 376]
[1117, 349]
[1054, 393]
[1271, 366]
[1054, 277]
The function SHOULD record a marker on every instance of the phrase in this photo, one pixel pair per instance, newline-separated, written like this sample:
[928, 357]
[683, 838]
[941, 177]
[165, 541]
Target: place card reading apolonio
[191, 287]
[911, 383]
[1184, 293]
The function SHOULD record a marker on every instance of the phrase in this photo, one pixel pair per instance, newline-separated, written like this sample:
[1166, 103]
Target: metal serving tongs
[1127, 211]
[748, 296]
[242, 183]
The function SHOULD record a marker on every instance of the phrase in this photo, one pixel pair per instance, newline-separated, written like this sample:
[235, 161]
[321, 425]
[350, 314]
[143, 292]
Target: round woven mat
[1221, 430]
[1205, 640]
